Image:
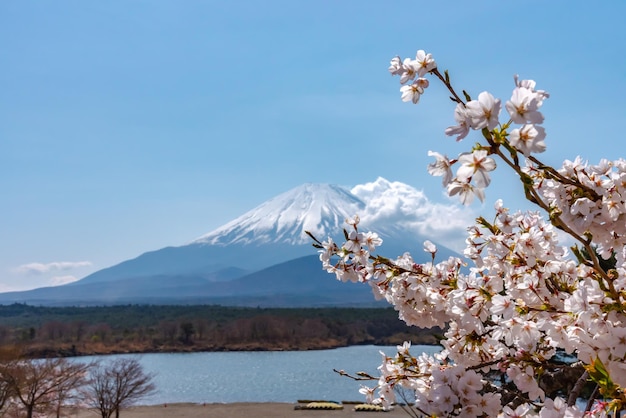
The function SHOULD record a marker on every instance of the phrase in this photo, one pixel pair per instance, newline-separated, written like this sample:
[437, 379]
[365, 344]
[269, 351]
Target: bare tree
[118, 385]
[42, 385]
[8, 356]
[5, 393]
[68, 389]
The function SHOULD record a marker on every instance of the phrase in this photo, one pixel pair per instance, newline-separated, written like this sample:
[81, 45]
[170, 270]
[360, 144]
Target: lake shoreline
[37, 331]
[232, 410]
[252, 347]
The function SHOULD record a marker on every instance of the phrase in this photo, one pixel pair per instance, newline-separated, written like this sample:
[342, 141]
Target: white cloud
[409, 209]
[42, 268]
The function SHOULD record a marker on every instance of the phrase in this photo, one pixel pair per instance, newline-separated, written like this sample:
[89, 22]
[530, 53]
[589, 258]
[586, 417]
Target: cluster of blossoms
[413, 70]
[527, 301]
[590, 199]
[472, 176]
[438, 391]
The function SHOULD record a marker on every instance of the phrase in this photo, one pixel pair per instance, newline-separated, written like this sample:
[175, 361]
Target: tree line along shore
[75, 331]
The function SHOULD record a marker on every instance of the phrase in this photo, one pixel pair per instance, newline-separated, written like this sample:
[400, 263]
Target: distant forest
[71, 331]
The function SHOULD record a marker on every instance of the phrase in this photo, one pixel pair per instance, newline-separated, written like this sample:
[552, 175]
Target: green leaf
[578, 254]
[487, 134]
[599, 374]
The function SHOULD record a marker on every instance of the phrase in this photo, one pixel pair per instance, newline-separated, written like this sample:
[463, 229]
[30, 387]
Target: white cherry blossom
[412, 92]
[475, 166]
[528, 139]
[425, 63]
[484, 112]
[530, 85]
[465, 190]
[519, 295]
[429, 247]
[524, 106]
[441, 167]
[395, 66]
[408, 71]
[461, 117]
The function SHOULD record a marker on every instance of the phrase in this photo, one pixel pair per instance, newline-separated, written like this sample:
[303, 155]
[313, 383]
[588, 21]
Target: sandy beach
[232, 410]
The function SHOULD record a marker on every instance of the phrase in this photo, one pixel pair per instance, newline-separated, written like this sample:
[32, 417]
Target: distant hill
[262, 258]
[300, 282]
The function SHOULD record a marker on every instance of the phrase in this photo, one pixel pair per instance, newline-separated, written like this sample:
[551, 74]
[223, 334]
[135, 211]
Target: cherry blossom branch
[554, 174]
[446, 82]
[592, 398]
[525, 297]
[534, 197]
[360, 376]
[580, 383]
[408, 406]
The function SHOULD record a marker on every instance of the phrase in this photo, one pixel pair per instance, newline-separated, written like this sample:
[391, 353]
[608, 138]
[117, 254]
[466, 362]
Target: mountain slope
[318, 208]
[269, 234]
[295, 283]
[262, 257]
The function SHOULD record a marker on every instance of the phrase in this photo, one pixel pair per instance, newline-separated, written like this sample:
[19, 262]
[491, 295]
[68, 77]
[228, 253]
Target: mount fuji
[262, 258]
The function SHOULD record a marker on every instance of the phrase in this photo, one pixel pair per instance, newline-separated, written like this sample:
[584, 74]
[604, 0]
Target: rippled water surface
[269, 376]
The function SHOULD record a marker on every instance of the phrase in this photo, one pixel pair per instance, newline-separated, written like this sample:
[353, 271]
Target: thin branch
[580, 383]
[448, 85]
[361, 376]
[592, 398]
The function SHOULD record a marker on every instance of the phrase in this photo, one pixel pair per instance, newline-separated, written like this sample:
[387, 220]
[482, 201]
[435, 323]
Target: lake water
[260, 376]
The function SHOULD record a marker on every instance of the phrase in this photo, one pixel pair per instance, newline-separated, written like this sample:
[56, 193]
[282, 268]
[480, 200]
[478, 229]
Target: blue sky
[127, 126]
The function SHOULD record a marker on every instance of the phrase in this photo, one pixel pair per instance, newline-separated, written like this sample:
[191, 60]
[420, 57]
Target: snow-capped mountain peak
[319, 208]
[278, 248]
[396, 211]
